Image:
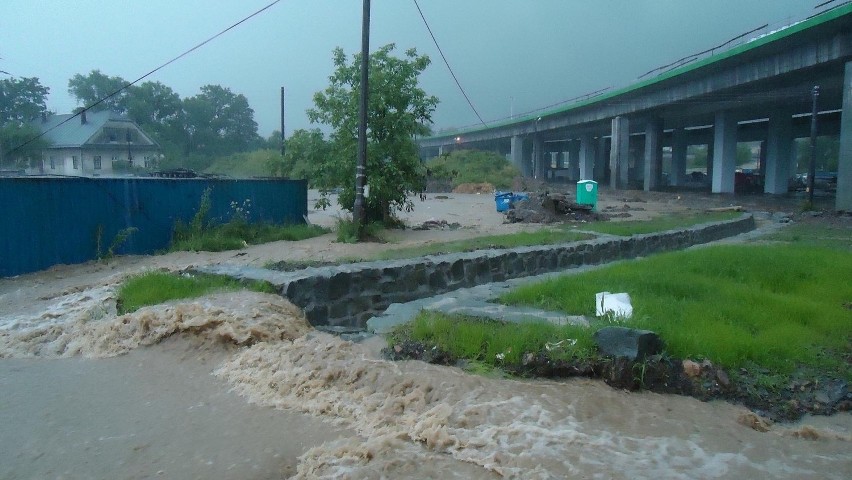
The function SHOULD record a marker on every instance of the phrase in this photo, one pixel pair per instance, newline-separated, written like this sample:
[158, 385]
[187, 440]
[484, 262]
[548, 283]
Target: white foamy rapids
[424, 421]
[85, 324]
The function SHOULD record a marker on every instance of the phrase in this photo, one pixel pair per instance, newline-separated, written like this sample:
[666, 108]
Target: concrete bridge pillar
[587, 157]
[843, 201]
[600, 159]
[653, 154]
[779, 147]
[538, 158]
[516, 151]
[619, 153]
[724, 152]
[677, 176]
[574, 163]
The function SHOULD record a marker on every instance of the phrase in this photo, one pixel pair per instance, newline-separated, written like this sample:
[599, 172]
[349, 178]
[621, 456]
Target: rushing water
[413, 420]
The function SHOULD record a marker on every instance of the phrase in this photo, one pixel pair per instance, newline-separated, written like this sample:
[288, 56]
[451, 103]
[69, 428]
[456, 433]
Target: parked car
[826, 181]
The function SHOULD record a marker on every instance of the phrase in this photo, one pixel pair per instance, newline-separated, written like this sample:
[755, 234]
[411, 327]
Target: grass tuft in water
[153, 288]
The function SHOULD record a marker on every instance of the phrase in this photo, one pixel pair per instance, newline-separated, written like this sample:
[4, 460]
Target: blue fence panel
[48, 221]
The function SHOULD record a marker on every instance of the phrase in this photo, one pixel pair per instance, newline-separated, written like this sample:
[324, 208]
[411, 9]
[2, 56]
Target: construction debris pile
[551, 208]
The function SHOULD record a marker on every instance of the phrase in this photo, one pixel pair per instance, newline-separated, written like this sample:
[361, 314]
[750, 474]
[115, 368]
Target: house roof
[64, 131]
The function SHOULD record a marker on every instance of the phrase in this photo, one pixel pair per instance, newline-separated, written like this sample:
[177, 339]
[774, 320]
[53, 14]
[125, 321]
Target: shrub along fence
[46, 221]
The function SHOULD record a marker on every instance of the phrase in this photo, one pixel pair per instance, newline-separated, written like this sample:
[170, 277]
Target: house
[94, 144]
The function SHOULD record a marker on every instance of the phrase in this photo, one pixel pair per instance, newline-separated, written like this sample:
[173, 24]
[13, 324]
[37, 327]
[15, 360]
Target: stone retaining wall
[349, 295]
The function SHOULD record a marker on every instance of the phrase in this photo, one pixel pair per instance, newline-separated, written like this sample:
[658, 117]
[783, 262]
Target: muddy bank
[804, 392]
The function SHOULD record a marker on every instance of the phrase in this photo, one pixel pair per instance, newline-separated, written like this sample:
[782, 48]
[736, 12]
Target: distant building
[94, 144]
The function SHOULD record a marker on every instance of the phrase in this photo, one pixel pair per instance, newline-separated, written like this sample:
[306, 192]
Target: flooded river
[258, 394]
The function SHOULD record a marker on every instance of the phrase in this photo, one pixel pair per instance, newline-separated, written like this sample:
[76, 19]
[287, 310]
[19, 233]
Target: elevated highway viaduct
[760, 91]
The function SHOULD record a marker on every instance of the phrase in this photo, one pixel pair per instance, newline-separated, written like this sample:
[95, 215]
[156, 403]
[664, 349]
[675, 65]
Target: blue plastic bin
[503, 200]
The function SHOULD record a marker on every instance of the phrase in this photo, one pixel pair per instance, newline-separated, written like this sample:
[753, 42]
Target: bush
[474, 166]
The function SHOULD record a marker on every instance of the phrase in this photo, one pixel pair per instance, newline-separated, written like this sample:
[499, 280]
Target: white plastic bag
[615, 303]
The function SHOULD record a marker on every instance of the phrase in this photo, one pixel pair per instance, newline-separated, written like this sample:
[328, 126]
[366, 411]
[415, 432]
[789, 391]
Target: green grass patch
[153, 288]
[521, 239]
[816, 234]
[238, 234]
[659, 224]
[493, 343]
[775, 306]
[244, 164]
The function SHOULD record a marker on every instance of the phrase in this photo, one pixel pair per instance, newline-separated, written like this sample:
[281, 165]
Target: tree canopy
[92, 88]
[219, 121]
[21, 101]
[304, 151]
[215, 122]
[398, 109]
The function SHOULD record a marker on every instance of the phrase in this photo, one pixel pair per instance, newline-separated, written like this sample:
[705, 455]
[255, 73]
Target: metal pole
[358, 211]
[812, 165]
[282, 121]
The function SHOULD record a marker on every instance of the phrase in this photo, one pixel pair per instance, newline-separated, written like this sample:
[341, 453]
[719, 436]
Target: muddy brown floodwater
[237, 385]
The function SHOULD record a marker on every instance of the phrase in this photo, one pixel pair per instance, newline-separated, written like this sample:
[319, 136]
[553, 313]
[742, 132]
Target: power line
[107, 97]
[448, 65]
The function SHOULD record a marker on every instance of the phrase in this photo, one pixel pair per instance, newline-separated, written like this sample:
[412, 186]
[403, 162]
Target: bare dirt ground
[341, 411]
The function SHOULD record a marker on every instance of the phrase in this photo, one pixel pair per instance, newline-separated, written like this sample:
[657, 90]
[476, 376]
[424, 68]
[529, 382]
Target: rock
[722, 379]
[833, 392]
[691, 369]
[781, 217]
[754, 422]
[628, 343]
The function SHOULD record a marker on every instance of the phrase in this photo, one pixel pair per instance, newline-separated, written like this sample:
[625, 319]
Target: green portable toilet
[587, 193]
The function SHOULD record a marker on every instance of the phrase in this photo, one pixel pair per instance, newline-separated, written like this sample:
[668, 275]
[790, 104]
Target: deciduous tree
[22, 100]
[304, 151]
[219, 121]
[90, 89]
[398, 110]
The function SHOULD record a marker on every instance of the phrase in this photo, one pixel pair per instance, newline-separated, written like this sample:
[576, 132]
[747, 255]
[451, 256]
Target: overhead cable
[124, 87]
[448, 65]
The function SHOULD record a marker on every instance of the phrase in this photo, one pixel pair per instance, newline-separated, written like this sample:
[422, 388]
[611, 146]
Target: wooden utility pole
[358, 211]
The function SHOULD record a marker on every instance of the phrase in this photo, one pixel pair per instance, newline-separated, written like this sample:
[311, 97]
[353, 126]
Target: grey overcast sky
[510, 55]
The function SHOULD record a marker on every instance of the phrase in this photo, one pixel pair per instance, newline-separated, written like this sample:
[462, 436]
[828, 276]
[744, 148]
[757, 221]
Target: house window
[147, 161]
[96, 160]
[75, 162]
[52, 162]
[116, 158]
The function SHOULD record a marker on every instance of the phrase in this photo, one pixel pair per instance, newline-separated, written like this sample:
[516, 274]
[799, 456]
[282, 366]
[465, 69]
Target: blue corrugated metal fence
[47, 221]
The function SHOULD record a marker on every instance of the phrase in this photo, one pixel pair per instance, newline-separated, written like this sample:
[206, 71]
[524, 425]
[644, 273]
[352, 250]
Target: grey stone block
[628, 342]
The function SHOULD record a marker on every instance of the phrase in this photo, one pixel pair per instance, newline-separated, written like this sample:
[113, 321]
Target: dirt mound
[474, 188]
[550, 208]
